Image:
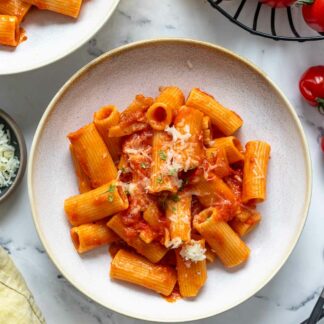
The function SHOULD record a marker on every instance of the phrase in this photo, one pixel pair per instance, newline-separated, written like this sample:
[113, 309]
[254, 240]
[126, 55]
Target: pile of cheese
[9, 163]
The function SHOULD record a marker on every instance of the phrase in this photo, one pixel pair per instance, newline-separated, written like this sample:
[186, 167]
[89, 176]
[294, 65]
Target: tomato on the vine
[311, 86]
[278, 3]
[313, 13]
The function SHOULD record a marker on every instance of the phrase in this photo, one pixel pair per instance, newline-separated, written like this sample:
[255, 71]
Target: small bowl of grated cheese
[13, 155]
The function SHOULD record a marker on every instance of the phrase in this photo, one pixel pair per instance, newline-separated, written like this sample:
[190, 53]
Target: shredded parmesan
[9, 163]
[193, 251]
[176, 135]
[174, 243]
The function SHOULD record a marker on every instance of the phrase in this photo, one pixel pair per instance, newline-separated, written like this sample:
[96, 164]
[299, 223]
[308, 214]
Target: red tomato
[311, 86]
[313, 12]
[278, 3]
[322, 143]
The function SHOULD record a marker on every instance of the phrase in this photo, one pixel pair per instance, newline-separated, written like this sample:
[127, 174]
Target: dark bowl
[18, 141]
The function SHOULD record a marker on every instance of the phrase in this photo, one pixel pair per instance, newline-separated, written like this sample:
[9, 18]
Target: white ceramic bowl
[116, 77]
[52, 36]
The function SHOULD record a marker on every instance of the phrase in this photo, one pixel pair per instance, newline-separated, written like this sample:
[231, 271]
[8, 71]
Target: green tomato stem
[320, 105]
[304, 2]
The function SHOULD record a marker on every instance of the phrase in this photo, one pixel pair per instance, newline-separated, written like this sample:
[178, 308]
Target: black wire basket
[279, 24]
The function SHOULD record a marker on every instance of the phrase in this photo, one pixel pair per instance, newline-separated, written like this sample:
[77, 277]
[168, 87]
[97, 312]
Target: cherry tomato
[311, 86]
[278, 3]
[313, 13]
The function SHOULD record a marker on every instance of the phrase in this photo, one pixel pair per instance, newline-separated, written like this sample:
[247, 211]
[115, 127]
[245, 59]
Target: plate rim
[86, 38]
[140, 44]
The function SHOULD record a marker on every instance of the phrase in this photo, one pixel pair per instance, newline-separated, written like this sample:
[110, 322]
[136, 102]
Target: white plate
[117, 77]
[52, 36]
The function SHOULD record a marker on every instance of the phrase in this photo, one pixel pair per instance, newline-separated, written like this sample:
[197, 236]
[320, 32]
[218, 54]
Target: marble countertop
[290, 296]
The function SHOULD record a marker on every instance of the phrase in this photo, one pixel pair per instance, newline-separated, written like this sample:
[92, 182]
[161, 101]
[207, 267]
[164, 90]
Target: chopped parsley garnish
[111, 188]
[144, 165]
[174, 209]
[173, 172]
[175, 198]
[159, 179]
[123, 170]
[162, 155]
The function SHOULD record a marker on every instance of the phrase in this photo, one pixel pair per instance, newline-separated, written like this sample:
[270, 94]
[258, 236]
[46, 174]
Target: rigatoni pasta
[184, 194]
[13, 12]
[10, 32]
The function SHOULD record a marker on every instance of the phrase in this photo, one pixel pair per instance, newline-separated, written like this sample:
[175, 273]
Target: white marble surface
[291, 295]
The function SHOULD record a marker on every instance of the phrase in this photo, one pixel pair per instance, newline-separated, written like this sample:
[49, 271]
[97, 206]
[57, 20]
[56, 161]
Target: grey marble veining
[290, 296]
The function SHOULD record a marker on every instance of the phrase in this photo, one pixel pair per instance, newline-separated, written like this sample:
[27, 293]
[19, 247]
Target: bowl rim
[22, 156]
[90, 34]
[142, 44]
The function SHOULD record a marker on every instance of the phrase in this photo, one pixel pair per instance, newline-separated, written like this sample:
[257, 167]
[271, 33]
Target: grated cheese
[176, 135]
[9, 163]
[174, 243]
[193, 251]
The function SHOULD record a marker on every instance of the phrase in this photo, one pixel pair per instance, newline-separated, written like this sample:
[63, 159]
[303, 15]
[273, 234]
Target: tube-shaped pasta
[161, 179]
[10, 33]
[218, 160]
[87, 237]
[242, 228]
[153, 251]
[104, 119]
[228, 246]
[191, 275]
[232, 146]
[135, 269]
[96, 204]
[210, 254]
[188, 122]
[255, 171]
[225, 120]
[16, 8]
[119, 130]
[178, 212]
[69, 8]
[171, 96]
[159, 115]
[83, 180]
[214, 192]
[152, 215]
[93, 155]
[207, 130]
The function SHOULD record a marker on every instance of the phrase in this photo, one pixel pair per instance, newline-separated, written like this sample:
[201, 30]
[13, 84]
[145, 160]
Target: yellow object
[105, 118]
[178, 212]
[96, 204]
[228, 246]
[92, 153]
[191, 275]
[255, 171]
[225, 120]
[17, 303]
[16, 8]
[232, 147]
[133, 268]
[69, 8]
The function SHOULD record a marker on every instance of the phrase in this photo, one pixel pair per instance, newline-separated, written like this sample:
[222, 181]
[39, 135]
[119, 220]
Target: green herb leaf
[175, 198]
[162, 155]
[174, 209]
[173, 172]
[111, 188]
[144, 165]
[159, 179]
